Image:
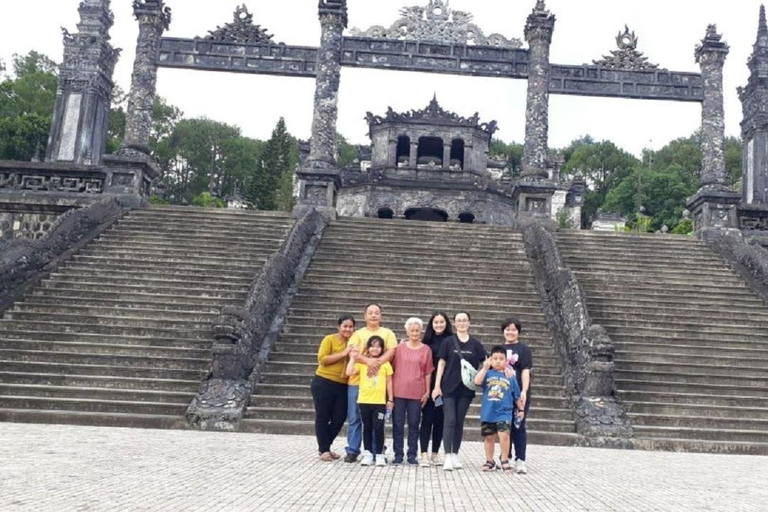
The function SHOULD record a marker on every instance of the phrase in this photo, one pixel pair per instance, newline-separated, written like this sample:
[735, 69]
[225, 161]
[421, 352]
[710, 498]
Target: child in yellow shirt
[375, 394]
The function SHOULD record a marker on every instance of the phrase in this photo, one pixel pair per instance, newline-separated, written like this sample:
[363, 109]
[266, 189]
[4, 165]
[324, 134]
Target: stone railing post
[714, 205]
[538, 33]
[446, 156]
[413, 157]
[81, 112]
[319, 178]
[154, 18]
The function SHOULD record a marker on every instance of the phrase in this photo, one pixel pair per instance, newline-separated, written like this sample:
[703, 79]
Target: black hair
[377, 340]
[498, 349]
[429, 331]
[469, 317]
[509, 321]
[344, 318]
[373, 304]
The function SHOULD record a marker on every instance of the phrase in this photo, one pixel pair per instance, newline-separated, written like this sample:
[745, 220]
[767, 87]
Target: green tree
[270, 184]
[347, 153]
[512, 152]
[26, 106]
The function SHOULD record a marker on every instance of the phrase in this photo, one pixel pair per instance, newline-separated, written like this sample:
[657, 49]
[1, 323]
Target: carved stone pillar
[446, 156]
[154, 18]
[714, 207]
[392, 155]
[538, 34]
[319, 179]
[333, 21]
[754, 127]
[81, 112]
[414, 156]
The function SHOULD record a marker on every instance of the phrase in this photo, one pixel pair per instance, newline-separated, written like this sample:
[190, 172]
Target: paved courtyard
[45, 467]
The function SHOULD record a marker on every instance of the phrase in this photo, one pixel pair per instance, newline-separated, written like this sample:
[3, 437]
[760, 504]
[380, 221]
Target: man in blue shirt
[499, 395]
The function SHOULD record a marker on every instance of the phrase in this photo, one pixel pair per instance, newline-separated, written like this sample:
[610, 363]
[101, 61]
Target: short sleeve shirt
[360, 338]
[472, 350]
[373, 390]
[499, 395]
[520, 358]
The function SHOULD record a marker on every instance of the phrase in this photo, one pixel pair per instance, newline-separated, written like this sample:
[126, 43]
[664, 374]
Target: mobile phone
[439, 401]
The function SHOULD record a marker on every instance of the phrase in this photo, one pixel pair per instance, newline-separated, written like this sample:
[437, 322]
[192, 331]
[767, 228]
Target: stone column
[392, 155]
[81, 112]
[414, 156]
[154, 18]
[319, 179]
[538, 34]
[714, 205]
[333, 21]
[446, 156]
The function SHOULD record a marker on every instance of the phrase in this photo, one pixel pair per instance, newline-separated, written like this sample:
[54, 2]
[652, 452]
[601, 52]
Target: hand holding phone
[439, 401]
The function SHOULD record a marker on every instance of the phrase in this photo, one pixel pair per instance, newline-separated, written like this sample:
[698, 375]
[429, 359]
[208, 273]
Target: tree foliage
[511, 152]
[270, 185]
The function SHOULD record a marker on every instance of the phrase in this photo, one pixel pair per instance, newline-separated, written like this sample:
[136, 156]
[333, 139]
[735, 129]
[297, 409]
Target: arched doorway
[386, 213]
[466, 218]
[426, 214]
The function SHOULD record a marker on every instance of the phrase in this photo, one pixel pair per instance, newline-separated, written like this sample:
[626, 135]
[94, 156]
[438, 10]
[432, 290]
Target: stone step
[726, 378]
[338, 305]
[305, 402]
[213, 238]
[692, 328]
[170, 282]
[268, 387]
[697, 411]
[259, 244]
[703, 434]
[696, 445]
[207, 265]
[425, 257]
[109, 394]
[685, 305]
[205, 306]
[140, 254]
[679, 281]
[297, 427]
[686, 338]
[93, 419]
[205, 297]
[148, 361]
[467, 284]
[636, 357]
[693, 323]
[543, 420]
[489, 336]
[362, 295]
[201, 326]
[724, 298]
[330, 270]
[626, 239]
[102, 370]
[185, 274]
[43, 378]
[186, 218]
[134, 313]
[679, 310]
[668, 384]
[603, 255]
[278, 356]
[105, 339]
[91, 405]
[54, 347]
[111, 328]
[192, 212]
[693, 399]
[298, 341]
[348, 224]
[154, 287]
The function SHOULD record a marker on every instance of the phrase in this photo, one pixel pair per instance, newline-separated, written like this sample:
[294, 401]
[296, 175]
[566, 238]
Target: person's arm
[351, 370]
[326, 358]
[526, 376]
[480, 376]
[390, 391]
[425, 398]
[438, 379]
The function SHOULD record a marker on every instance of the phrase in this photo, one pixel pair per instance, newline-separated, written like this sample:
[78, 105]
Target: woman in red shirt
[413, 372]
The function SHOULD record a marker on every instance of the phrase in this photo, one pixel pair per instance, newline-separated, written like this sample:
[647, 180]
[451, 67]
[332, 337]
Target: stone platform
[62, 468]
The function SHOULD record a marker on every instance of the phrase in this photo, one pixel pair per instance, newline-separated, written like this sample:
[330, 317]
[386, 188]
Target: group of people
[426, 382]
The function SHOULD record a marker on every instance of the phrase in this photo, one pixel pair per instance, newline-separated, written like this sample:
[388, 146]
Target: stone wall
[585, 350]
[747, 257]
[32, 225]
[244, 336]
[25, 261]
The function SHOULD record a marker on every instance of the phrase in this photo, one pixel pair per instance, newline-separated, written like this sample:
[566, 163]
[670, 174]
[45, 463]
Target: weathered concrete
[747, 257]
[243, 336]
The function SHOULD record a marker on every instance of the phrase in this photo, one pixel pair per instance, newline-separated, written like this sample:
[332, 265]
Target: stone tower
[81, 114]
[754, 127]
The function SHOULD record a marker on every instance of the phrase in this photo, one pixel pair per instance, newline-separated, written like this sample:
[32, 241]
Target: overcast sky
[668, 32]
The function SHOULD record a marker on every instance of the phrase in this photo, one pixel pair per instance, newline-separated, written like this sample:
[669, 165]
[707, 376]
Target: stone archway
[426, 214]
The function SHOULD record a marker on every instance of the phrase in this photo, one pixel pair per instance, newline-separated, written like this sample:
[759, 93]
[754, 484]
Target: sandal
[326, 457]
[489, 465]
[505, 466]
[335, 456]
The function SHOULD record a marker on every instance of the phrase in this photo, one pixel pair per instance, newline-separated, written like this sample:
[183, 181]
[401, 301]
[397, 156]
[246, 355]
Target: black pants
[330, 410]
[373, 425]
[412, 409]
[520, 436]
[455, 409]
[431, 427]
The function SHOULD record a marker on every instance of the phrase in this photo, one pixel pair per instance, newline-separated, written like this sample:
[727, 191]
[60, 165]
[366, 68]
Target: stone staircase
[691, 338]
[412, 269]
[120, 334]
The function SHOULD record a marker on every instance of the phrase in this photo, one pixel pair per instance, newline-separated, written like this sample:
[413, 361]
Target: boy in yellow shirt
[375, 394]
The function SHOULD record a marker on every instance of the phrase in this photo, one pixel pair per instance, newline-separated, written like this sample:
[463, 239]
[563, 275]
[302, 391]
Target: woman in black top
[438, 329]
[520, 359]
[448, 384]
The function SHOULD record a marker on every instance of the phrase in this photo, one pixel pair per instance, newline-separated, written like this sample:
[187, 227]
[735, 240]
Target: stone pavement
[62, 468]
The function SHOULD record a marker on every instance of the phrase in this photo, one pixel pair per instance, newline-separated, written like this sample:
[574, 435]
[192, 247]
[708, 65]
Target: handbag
[468, 371]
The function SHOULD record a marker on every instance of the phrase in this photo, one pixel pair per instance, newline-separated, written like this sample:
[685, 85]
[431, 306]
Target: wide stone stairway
[120, 334]
[412, 269]
[691, 338]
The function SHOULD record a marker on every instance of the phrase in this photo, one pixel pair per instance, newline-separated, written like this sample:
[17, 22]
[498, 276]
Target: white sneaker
[424, 461]
[381, 460]
[448, 464]
[520, 467]
[456, 461]
[435, 459]
[367, 459]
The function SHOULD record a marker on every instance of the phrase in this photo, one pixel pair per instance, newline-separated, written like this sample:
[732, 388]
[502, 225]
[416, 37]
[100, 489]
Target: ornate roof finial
[762, 29]
[627, 56]
[241, 30]
[540, 6]
[433, 114]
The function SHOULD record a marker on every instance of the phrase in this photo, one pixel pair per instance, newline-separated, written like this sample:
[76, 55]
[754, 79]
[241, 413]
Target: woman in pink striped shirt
[413, 371]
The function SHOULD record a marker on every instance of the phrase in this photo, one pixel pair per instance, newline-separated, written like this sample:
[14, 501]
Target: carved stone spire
[762, 29]
[81, 113]
[154, 18]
